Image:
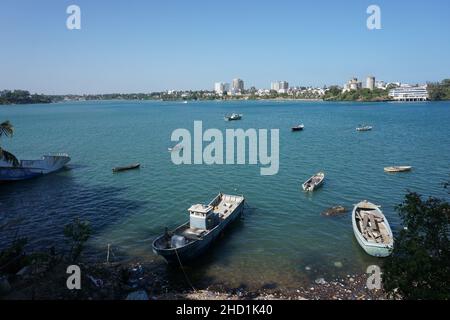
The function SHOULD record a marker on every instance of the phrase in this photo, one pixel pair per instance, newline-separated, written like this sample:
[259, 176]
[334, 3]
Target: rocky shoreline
[135, 281]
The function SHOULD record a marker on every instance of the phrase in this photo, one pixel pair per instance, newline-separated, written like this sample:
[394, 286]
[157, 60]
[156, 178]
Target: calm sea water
[281, 233]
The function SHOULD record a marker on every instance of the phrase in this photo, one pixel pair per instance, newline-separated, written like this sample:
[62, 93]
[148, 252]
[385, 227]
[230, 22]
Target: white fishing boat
[233, 117]
[372, 230]
[194, 237]
[396, 169]
[364, 128]
[314, 182]
[28, 169]
[174, 149]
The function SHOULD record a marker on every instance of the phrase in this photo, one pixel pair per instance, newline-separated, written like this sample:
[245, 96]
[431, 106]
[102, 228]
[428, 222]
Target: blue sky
[142, 46]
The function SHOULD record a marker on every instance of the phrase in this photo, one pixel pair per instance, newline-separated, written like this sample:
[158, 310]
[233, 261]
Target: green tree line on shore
[440, 90]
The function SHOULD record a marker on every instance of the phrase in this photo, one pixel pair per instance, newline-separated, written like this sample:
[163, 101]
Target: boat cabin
[202, 217]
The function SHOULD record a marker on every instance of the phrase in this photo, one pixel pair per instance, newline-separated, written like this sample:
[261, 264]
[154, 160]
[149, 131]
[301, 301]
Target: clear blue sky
[142, 46]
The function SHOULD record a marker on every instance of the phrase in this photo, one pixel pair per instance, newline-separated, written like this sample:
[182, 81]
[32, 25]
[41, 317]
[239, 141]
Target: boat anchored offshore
[193, 238]
[364, 128]
[126, 168]
[28, 169]
[397, 169]
[372, 230]
[300, 127]
[314, 182]
[233, 117]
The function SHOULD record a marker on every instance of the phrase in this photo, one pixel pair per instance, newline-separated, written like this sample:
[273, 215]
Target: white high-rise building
[280, 86]
[370, 82]
[237, 85]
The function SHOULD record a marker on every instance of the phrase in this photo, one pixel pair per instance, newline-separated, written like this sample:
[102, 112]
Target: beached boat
[126, 168]
[28, 169]
[314, 182]
[233, 117]
[193, 238]
[364, 128]
[372, 230]
[397, 169]
[300, 127]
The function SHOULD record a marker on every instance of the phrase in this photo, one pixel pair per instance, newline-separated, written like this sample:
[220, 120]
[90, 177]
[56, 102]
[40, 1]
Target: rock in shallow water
[334, 211]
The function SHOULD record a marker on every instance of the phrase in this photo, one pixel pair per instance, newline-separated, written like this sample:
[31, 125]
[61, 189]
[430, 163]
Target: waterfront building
[409, 93]
[280, 86]
[237, 85]
[370, 82]
[221, 87]
[352, 84]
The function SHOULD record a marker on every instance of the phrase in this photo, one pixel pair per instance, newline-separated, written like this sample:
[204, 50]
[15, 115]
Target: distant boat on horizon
[300, 127]
[233, 117]
[363, 128]
[28, 169]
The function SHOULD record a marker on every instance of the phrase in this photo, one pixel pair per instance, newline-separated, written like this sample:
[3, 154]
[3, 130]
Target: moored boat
[397, 169]
[300, 127]
[372, 230]
[126, 168]
[314, 182]
[362, 128]
[28, 169]
[206, 223]
[233, 117]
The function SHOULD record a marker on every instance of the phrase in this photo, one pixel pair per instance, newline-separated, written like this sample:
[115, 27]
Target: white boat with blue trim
[206, 223]
[28, 169]
[372, 230]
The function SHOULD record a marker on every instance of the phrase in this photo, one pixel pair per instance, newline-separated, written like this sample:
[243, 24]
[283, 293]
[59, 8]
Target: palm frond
[6, 128]
[9, 157]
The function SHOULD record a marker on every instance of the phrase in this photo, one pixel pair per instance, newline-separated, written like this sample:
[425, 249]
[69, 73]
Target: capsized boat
[314, 182]
[206, 223]
[126, 168]
[398, 169]
[28, 169]
[364, 128]
[300, 127]
[233, 117]
[372, 230]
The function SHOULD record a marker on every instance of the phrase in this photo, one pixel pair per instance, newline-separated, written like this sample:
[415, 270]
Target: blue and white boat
[372, 230]
[193, 238]
[28, 169]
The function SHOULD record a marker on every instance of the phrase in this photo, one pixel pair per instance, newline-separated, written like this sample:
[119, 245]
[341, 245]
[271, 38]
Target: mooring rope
[182, 269]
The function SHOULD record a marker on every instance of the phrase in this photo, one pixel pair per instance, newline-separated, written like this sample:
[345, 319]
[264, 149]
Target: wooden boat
[397, 169]
[126, 168]
[233, 117]
[28, 169]
[364, 128]
[300, 127]
[314, 182]
[206, 223]
[372, 230]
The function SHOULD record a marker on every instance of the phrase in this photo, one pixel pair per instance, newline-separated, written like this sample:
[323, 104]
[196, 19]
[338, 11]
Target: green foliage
[77, 233]
[419, 266]
[439, 91]
[335, 94]
[7, 130]
[22, 97]
[13, 258]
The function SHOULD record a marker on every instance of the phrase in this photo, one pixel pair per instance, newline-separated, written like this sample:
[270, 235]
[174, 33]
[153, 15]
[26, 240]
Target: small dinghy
[372, 230]
[300, 127]
[397, 169]
[126, 168]
[314, 182]
[364, 128]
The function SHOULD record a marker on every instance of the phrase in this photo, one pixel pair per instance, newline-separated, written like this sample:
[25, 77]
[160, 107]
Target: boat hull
[372, 249]
[29, 169]
[198, 247]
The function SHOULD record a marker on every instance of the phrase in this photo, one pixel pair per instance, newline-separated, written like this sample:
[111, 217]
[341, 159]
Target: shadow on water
[45, 204]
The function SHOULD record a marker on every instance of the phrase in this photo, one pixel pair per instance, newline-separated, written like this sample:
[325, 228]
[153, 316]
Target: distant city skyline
[151, 46]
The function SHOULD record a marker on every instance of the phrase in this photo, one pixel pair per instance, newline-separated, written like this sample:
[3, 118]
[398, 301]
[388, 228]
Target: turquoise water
[281, 233]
